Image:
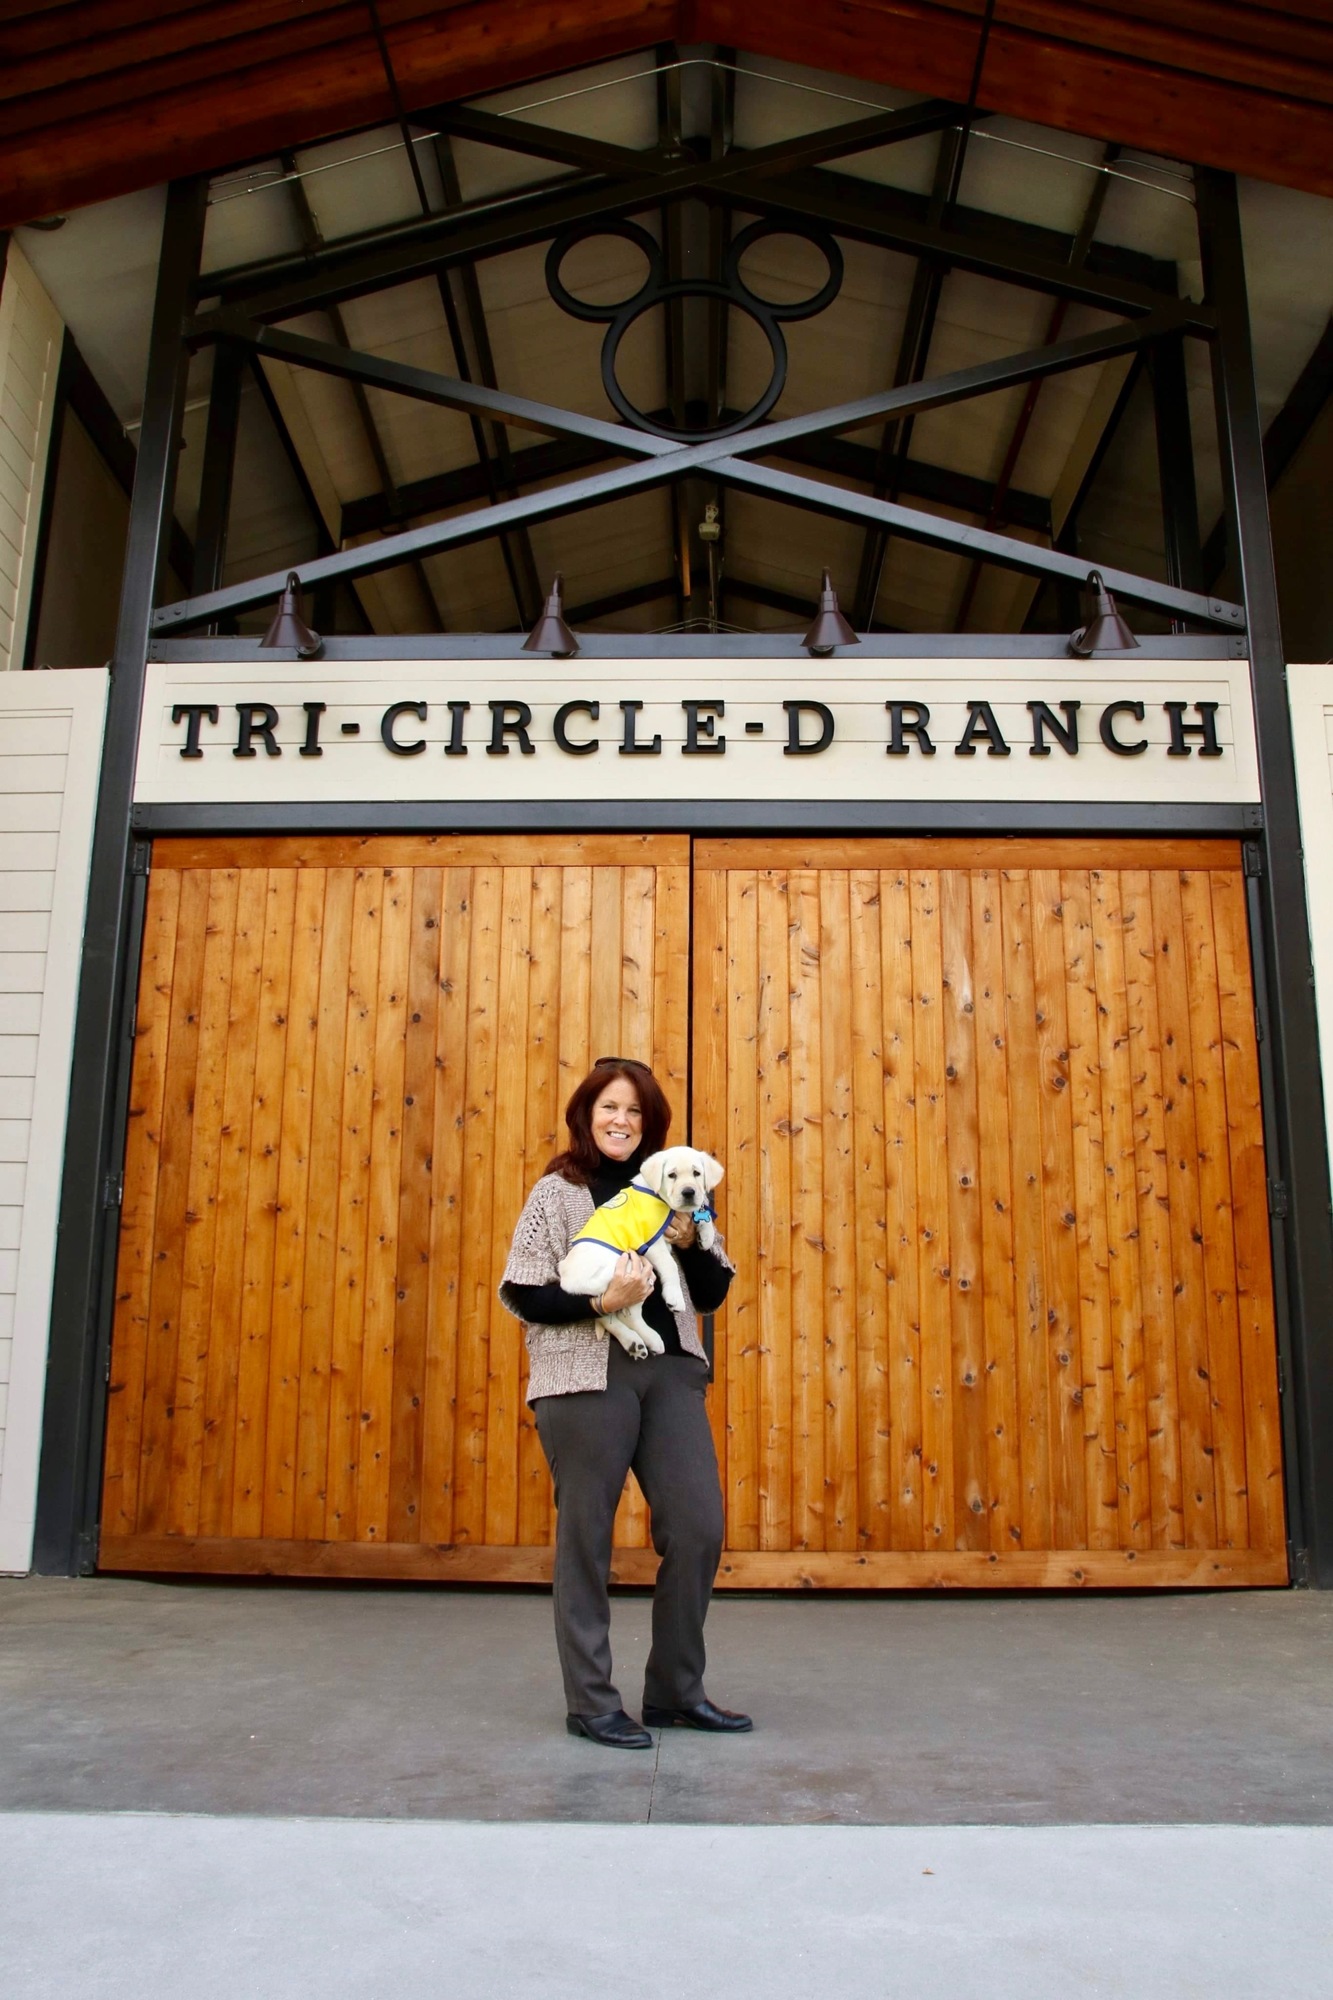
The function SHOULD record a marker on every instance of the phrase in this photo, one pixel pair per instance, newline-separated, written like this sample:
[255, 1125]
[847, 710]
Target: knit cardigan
[564, 1359]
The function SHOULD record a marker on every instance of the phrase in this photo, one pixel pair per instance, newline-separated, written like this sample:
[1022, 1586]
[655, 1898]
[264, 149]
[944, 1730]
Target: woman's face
[617, 1122]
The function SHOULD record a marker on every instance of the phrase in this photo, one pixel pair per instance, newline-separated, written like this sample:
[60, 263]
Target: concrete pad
[108, 1908]
[421, 1703]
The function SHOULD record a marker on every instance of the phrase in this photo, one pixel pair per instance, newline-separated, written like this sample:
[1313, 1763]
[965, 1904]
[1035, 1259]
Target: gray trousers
[650, 1417]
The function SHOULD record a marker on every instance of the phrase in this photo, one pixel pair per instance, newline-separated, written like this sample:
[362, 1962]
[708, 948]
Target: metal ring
[822, 241]
[630, 232]
[706, 288]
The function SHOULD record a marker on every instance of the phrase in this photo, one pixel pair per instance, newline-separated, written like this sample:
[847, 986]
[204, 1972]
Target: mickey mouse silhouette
[657, 289]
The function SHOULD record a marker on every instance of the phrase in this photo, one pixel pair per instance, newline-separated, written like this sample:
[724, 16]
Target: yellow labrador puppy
[678, 1181]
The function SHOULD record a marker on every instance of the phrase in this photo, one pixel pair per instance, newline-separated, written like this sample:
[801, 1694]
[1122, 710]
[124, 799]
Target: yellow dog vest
[631, 1220]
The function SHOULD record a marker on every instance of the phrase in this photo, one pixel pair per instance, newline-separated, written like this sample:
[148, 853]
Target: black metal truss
[655, 460]
[940, 485]
[779, 181]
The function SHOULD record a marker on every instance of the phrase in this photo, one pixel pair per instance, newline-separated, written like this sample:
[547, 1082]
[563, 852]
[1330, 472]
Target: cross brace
[657, 460]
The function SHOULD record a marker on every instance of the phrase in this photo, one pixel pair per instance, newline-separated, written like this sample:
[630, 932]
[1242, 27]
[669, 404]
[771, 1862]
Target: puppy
[678, 1181]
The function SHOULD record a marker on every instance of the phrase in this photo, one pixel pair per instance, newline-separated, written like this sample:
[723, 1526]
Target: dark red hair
[582, 1159]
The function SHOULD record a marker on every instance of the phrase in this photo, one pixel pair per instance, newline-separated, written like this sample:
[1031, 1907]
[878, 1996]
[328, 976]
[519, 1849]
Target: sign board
[1131, 730]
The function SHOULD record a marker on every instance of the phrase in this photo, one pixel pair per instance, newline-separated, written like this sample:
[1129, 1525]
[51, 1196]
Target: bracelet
[597, 1305]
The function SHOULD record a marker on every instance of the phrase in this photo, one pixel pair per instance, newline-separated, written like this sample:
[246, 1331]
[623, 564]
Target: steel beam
[1297, 1140]
[99, 1077]
[777, 181]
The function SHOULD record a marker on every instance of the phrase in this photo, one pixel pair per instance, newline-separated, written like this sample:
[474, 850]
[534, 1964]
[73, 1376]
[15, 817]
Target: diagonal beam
[441, 492]
[958, 539]
[659, 459]
[930, 529]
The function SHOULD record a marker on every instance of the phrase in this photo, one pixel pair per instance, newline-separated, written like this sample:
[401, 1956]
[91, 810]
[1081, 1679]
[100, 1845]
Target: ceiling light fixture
[830, 628]
[551, 634]
[289, 627]
[1105, 631]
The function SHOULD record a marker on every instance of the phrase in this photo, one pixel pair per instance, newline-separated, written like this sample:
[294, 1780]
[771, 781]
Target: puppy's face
[682, 1177]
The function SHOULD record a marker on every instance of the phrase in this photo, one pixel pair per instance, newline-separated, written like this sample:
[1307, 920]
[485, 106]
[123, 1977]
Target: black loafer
[616, 1731]
[699, 1715]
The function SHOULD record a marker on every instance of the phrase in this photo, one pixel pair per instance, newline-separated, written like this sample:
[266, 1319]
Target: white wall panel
[31, 333]
[51, 733]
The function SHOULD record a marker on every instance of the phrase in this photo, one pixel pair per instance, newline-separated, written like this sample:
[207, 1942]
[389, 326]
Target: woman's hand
[681, 1230]
[633, 1281]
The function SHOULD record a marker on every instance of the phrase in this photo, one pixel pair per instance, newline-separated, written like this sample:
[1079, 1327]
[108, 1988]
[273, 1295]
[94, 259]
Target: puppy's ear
[652, 1169]
[712, 1171]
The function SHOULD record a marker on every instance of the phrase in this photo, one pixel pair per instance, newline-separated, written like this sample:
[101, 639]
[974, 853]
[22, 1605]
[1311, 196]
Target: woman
[599, 1413]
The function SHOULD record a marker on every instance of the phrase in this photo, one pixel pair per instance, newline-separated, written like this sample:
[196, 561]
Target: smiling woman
[601, 1415]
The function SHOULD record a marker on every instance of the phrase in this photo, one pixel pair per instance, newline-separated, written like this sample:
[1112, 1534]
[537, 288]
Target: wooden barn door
[996, 1194]
[351, 1062]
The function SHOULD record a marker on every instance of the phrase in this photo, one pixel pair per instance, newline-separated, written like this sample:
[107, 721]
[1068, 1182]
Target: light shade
[1105, 631]
[830, 628]
[551, 634]
[289, 627]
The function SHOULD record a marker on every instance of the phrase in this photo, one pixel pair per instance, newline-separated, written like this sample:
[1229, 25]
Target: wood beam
[103, 96]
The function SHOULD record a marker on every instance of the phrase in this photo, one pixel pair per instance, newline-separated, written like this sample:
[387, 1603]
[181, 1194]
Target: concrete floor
[431, 1704]
[114, 1908]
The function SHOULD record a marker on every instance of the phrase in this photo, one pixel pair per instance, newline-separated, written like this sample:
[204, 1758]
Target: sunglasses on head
[621, 1062]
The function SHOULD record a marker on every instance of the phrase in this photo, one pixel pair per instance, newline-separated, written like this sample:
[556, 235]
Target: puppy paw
[636, 1350]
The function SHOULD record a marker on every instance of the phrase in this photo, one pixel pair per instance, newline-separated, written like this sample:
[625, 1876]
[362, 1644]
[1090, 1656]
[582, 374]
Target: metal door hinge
[1252, 858]
[113, 1190]
[141, 858]
[1278, 1205]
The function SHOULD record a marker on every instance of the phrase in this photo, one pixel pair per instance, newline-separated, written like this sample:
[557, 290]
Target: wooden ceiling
[103, 96]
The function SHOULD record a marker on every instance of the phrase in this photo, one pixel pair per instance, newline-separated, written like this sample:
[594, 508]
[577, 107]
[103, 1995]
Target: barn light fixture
[551, 634]
[830, 628]
[289, 627]
[1105, 631]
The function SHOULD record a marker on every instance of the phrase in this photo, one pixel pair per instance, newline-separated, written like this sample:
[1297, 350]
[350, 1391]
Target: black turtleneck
[706, 1278]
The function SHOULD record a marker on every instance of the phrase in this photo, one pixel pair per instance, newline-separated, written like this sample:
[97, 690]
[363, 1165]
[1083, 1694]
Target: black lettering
[510, 718]
[807, 746]
[701, 720]
[1180, 729]
[311, 746]
[256, 718]
[981, 722]
[631, 747]
[192, 713]
[456, 747]
[1106, 728]
[388, 722]
[900, 727]
[1065, 733]
[560, 730]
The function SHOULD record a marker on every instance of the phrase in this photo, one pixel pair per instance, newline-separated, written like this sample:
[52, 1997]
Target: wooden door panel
[352, 1061]
[991, 1120]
